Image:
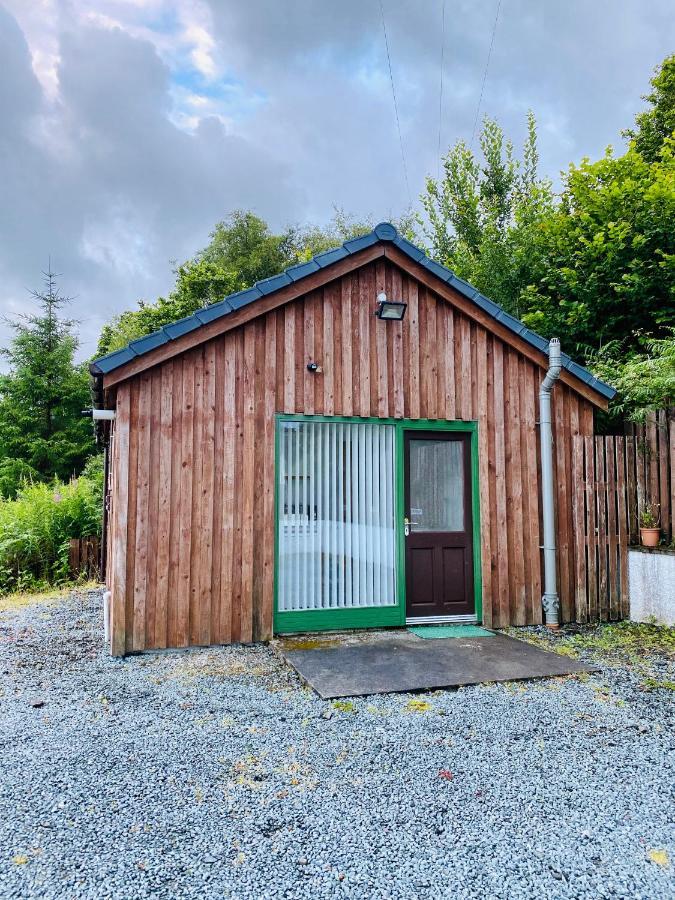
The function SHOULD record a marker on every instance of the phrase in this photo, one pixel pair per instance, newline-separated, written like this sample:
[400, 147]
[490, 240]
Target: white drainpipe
[550, 600]
[107, 595]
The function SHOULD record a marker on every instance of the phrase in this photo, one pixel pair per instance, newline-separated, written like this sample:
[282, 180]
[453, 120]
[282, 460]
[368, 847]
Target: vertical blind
[336, 516]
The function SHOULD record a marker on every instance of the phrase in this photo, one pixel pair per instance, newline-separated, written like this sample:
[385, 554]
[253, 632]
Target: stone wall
[651, 585]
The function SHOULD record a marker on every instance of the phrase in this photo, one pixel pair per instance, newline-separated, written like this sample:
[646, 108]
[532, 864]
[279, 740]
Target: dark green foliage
[607, 254]
[36, 527]
[42, 431]
[645, 380]
[15, 474]
[244, 249]
[654, 125]
[594, 265]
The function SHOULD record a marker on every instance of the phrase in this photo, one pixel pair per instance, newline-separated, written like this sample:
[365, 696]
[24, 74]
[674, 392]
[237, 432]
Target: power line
[440, 93]
[393, 93]
[485, 73]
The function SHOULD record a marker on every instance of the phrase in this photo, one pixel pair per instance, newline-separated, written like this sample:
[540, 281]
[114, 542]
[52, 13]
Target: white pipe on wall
[550, 600]
[107, 595]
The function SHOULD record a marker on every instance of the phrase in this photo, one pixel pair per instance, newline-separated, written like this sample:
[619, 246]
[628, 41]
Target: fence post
[83, 557]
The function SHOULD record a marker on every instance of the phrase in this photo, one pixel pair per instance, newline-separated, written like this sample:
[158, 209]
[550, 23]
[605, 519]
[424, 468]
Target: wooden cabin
[299, 457]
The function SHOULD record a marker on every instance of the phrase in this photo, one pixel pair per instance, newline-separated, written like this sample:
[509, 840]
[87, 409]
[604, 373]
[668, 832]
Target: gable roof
[382, 233]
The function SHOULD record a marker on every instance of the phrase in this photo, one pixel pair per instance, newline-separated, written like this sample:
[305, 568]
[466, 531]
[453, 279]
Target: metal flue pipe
[550, 600]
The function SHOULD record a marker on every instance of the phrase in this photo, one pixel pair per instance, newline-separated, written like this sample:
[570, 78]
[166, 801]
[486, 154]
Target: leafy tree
[592, 265]
[242, 250]
[655, 125]
[606, 254]
[198, 284]
[482, 217]
[42, 431]
[244, 247]
[316, 239]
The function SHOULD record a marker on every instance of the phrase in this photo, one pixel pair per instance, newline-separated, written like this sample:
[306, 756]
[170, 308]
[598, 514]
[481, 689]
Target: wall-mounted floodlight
[389, 309]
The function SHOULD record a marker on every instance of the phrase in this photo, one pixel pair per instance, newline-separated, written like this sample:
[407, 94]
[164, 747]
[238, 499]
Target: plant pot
[650, 537]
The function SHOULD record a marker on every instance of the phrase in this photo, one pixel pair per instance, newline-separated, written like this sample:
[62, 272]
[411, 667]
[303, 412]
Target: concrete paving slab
[357, 665]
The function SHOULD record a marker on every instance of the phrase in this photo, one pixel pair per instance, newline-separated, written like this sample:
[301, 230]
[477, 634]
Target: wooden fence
[83, 557]
[613, 478]
[655, 464]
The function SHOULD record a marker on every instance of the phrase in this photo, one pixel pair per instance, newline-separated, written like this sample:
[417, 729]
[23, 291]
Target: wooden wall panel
[192, 522]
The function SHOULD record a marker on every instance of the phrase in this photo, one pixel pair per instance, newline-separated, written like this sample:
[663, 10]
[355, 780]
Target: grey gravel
[216, 773]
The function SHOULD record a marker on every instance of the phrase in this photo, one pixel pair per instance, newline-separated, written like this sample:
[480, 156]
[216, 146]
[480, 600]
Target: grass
[622, 642]
[653, 684]
[12, 602]
[558, 645]
[626, 641]
[632, 644]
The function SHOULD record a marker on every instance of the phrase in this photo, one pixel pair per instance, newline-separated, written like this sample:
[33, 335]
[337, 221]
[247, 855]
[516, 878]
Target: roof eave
[296, 281]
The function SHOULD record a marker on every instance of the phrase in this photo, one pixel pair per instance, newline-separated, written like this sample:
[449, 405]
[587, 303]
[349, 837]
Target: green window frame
[384, 616]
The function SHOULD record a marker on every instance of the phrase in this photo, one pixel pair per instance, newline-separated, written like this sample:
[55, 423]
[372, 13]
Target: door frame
[383, 616]
[462, 439]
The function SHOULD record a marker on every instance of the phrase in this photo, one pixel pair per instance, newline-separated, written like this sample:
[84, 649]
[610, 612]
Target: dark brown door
[439, 529]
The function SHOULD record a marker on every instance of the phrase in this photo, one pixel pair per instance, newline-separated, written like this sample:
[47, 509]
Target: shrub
[36, 527]
[15, 473]
[644, 381]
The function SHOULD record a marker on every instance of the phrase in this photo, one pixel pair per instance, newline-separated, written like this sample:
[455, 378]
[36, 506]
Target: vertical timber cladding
[193, 453]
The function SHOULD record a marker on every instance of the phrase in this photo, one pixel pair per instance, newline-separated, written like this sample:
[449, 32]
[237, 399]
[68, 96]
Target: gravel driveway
[215, 773]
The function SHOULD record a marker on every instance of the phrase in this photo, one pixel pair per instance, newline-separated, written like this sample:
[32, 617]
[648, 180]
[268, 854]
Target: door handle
[406, 526]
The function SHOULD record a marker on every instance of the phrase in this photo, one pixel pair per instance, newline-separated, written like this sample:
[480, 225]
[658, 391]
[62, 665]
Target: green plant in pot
[650, 531]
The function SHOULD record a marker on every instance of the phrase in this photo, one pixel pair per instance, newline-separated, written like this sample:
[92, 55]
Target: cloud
[103, 181]
[129, 127]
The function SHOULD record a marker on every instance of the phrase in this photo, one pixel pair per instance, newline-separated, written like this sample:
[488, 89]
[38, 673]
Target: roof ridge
[384, 232]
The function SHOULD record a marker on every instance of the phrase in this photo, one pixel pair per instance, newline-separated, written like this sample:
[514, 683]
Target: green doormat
[450, 631]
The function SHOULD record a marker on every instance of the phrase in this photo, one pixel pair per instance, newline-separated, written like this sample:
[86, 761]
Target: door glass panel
[337, 535]
[436, 485]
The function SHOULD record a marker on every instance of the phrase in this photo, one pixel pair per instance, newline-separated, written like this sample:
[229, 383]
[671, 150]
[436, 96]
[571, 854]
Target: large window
[336, 516]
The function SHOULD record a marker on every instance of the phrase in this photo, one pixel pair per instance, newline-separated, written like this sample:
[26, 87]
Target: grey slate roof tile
[382, 232]
[181, 326]
[511, 322]
[303, 269]
[483, 302]
[412, 251]
[243, 298]
[111, 361]
[438, 270]
[537, 341]
[468, 290]
[148, 342]
[360, 243]
[214, 311]
[385, 231]
[330, 256]
[269, 285]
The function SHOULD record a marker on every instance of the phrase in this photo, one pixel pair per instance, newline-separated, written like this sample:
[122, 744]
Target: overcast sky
[129, 127]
